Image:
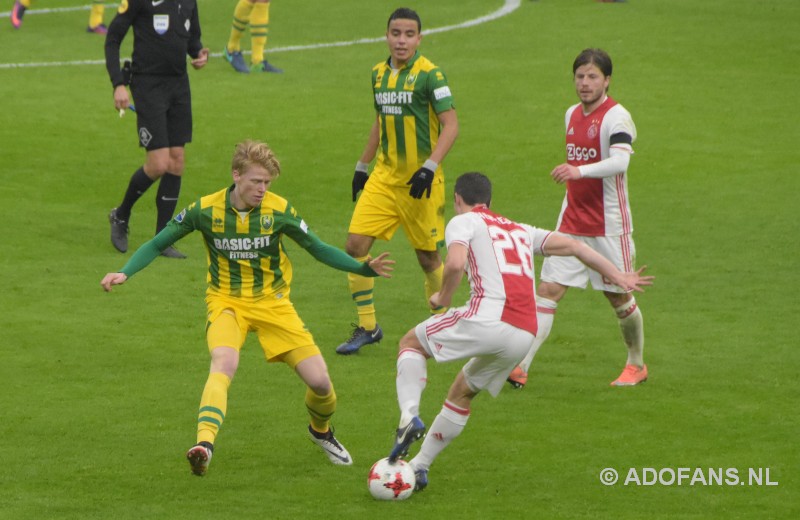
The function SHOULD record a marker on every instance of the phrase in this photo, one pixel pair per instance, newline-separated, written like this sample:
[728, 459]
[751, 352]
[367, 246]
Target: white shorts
[493, 347]
[571, 272]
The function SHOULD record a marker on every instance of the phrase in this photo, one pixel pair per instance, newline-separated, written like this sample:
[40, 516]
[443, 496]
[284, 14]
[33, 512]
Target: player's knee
[225, 360]
[617, 299]
[356, 247]
[429, 260]
[411, 342]
[551, 291]
[320, 386]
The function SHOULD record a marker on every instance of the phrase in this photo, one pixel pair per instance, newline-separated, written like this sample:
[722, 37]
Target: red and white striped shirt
[500, 266]
[596, 206]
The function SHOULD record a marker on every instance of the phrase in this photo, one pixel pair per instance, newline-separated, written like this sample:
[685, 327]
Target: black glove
[359, 178]
[421, 182]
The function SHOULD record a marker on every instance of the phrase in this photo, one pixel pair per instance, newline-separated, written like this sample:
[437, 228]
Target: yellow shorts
[382, 208]
[280, 331]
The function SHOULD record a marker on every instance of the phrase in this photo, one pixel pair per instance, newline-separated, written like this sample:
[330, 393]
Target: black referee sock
[138, 184]
[166, 199]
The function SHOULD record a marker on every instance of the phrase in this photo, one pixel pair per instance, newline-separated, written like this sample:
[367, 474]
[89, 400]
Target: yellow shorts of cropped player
[282, 334]
[382, 208]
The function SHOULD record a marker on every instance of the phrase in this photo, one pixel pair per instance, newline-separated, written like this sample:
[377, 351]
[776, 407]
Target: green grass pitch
[100, 390]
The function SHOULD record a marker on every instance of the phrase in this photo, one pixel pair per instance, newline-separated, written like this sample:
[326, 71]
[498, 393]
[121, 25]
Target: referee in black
[164, 32]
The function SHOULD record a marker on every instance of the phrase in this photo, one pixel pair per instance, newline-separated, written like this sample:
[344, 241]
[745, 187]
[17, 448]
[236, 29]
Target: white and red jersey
[499, 266]
[596, 206]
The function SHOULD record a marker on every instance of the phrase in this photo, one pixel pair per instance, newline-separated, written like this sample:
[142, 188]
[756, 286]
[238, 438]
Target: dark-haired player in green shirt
[414, 128]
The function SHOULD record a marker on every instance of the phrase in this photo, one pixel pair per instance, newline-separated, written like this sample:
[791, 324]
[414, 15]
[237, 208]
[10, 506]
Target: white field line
[508, 7]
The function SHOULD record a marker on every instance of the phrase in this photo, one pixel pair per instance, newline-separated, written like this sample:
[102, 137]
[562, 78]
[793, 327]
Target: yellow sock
[213, 405]
[320, 409]
[241, 17]
[361, 288]
[433, 282]
[96, 15]
[26, 3]
[259, 28]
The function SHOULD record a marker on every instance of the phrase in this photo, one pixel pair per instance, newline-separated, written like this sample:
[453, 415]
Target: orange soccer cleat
[518, 377]
[631, 375]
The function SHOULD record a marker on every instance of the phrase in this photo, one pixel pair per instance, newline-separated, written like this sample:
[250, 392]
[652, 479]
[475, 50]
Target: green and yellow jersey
[407, 101]
[245, 253]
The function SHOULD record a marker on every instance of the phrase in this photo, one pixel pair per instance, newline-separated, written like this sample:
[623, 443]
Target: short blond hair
[250, 152]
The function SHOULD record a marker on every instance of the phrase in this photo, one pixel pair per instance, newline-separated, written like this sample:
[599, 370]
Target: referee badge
[161, 23]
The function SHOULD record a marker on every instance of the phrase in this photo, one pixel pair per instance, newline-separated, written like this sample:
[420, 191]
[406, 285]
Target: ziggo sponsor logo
[580, 153]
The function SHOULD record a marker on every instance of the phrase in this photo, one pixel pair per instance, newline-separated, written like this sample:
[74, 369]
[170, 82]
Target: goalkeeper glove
[422, 180]
[359, 178]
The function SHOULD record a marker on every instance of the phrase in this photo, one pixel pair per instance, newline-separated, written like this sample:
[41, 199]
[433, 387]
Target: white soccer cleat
[333, 449]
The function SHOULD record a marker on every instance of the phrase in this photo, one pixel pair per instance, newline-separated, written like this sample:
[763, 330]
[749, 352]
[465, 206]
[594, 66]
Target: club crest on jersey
[161, 23]
[411, 79]
[266, 223]
[591, 133]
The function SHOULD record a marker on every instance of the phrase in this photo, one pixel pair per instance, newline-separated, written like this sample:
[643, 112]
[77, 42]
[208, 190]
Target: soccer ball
[388, 481]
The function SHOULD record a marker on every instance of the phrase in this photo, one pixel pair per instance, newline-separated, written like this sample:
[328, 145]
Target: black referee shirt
[164, 32]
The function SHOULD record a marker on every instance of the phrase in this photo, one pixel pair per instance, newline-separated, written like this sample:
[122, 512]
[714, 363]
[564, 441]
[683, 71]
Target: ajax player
[496, 327]
[596, 211]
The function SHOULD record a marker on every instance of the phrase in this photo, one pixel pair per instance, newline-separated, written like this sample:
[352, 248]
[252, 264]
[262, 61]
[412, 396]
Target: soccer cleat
[236, 60]
[359, 338]
[266, 66]
[119, 231]
[517, 377]
[332, 448]
[631, 375]
[17, 12]
[421, 479]
[199, 457]
[171, 252]
[406, 435]
[100, 29]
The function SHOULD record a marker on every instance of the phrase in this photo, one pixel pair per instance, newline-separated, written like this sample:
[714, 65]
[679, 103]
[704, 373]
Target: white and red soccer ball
[391, 481]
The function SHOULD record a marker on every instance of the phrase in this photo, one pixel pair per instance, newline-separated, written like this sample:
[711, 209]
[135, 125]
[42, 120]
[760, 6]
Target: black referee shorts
[163, 110]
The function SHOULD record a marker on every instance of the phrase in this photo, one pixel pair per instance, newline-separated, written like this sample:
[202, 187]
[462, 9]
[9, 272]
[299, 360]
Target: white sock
[412, 376]
[631, 324]
[545, 314]
[447, 426]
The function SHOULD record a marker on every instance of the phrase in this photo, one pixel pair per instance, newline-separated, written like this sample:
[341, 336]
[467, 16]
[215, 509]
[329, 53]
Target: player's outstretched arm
[112, 279]
[560, 245]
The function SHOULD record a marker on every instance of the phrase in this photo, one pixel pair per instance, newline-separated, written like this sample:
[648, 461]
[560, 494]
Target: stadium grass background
[100, 390]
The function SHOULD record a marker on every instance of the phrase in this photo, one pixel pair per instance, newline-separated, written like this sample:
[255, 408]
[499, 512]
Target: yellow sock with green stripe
[241, 17]
[320, 409]
[213, 405]
[361, 288]
[433, 283]
[96, 14]
[259, 29]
